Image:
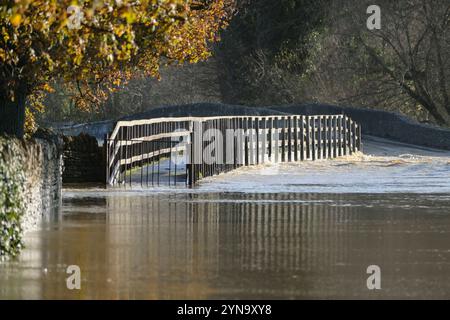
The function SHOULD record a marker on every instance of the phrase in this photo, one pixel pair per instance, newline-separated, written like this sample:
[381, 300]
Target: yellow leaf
[129, 16]
[16, 19]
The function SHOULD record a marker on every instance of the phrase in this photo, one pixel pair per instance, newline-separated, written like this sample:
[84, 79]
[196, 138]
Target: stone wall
[30, 173]
[381, 124]
[51, 161]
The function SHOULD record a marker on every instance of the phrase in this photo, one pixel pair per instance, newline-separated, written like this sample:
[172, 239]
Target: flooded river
[277, 231]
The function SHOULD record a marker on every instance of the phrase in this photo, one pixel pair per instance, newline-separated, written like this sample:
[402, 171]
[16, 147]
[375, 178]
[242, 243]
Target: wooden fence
[137, 149]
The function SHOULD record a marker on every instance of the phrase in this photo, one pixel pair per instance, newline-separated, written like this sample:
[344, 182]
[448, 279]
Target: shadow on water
[236, 245]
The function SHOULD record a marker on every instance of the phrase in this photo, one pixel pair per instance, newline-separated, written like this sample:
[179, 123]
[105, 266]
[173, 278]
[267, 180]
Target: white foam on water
[357, 174]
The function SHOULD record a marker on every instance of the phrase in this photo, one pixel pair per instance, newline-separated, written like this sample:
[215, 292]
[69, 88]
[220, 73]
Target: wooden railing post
[106, 157]
[270, 139]
[236, 122]
[302, 138]
[276, 140]
[354, 133]
[359, 138]
[344, 135]
[339, 119]
[319, 137]
[296, 149]
[283, 139]
[308, 137]
[190, 156]
[313, 131]
[289, 138]
[262, 138]
[350, 136]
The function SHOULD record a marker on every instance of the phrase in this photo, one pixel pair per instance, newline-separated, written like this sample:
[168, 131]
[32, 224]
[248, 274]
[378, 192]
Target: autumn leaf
[116, 41]
[16, 19]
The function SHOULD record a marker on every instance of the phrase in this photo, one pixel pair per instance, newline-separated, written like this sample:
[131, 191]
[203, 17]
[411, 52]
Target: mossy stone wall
[30, 185]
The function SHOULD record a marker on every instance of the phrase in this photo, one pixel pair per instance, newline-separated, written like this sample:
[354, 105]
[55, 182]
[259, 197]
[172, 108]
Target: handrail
[286, 137]
[130, 123]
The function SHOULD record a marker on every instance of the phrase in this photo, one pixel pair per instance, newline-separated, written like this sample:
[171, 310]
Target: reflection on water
[231, 245]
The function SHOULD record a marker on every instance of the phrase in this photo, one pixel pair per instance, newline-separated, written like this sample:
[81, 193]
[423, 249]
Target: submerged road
[374, 146]
[385, 166]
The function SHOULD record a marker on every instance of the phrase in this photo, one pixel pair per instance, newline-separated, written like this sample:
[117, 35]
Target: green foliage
[12, 180]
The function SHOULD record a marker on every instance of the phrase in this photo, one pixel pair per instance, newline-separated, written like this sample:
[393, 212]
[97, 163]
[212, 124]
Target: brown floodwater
[183, 245]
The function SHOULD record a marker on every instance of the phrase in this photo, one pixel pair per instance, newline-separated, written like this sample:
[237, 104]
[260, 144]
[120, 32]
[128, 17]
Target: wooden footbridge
[182, 151]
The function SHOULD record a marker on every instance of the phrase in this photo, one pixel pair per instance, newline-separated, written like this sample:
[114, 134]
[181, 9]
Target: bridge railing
[213, 145]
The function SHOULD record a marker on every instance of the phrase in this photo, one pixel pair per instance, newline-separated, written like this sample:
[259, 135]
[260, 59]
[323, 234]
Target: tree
[403, 66]
[414, 54]
[95, 46]
[263, 51]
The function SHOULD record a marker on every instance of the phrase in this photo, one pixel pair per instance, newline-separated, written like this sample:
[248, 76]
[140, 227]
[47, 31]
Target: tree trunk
[12, 114]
